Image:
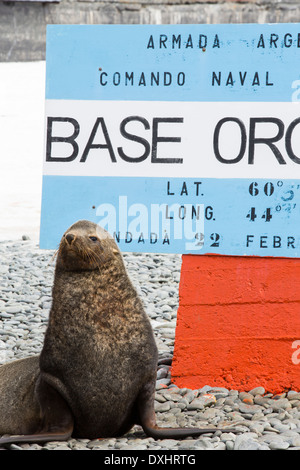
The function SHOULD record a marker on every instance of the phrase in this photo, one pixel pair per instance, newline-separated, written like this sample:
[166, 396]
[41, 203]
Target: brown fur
[96, 373]
[99, 342]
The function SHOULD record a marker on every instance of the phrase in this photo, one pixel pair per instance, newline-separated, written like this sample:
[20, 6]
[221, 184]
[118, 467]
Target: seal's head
[85, 246]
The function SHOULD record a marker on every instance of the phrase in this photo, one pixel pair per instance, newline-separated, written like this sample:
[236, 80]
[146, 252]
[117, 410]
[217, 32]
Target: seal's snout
[70, 238]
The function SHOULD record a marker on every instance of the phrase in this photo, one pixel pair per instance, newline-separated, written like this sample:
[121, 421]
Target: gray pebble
[278, 445]
[27, 277]
[243, 441]
[228, 437]
[282, 403]
[229, 445]
[13, 309]
[162, 407]
[257, 391]
[249, 444]
[168, 443]
[249, 409]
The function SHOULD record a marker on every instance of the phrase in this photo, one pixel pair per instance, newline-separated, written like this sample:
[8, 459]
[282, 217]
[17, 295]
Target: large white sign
[175, 138]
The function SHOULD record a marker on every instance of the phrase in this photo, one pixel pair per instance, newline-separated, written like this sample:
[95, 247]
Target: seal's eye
[94, 239]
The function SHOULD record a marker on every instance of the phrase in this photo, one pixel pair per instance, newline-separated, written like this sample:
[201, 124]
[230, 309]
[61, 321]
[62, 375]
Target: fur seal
[96, 374]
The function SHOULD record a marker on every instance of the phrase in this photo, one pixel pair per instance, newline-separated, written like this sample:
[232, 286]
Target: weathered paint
[160, 133]
[238, 323]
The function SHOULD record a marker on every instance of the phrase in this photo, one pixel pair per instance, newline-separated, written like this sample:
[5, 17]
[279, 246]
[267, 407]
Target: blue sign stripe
[259, 221]
[173, 62]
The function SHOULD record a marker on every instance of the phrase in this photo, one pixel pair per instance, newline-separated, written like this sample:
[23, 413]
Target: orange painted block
[238, 323]
[228, 279]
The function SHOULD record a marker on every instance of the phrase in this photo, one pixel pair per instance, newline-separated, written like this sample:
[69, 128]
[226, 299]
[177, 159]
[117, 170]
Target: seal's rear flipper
[148, 420]
[56, 423]
[32, 438]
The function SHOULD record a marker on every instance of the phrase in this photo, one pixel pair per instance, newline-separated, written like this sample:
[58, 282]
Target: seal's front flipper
[148, 420]
[56, 420]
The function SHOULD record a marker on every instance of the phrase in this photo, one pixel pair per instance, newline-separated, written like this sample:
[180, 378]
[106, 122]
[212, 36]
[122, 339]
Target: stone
[249, 409]
[201, 402]
[257, 391]
[259, 400]
[249, 444]
[278, 445]
[228, 436]
[282, 403]
[168, 443]
[245, 395]
[13, 309]
[241, 439]
[161, 407]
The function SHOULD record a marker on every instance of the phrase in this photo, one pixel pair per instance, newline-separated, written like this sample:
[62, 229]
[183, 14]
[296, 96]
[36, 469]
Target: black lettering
[141, 238]
[168, 190]
[134, 138]
[269, 141]
[182, 212]
[184, 189]
[167, 78]
[153, 238]
[150, 44]
[181, 79]
[216, 41]
[263, 241]
[261, 42]
[166, 239]
[216, 79]
[128, 237]
[142, 80]
[176, 40]
[242, 77]
[208, 213]
[267, 80]
[116, 78]
[276, 241]
[196, 212]
[90, 145]
[216, 140]
[249, 240]
[129, 78]
[189, 42]
[229, 79]
[197, 183]
[273, 40]
[156, 139]
[102, 82]
[154, 78]
[162, 41]
[68, 140]
[287, 40]
[255, 79]
[290, 242]
[202, 41]
[288, 141]
[117, 236]
[168, 217]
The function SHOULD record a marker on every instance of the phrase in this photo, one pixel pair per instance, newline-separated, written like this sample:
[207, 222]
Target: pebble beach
[264, 421]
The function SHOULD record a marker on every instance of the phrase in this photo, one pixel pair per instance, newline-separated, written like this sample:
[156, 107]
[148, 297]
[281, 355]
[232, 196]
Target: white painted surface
[22, 102]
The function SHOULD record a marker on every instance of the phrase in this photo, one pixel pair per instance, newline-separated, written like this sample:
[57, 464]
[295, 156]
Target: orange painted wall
[237, 320]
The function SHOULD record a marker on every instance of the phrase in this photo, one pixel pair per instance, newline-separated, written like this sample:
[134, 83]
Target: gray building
[23, 23]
